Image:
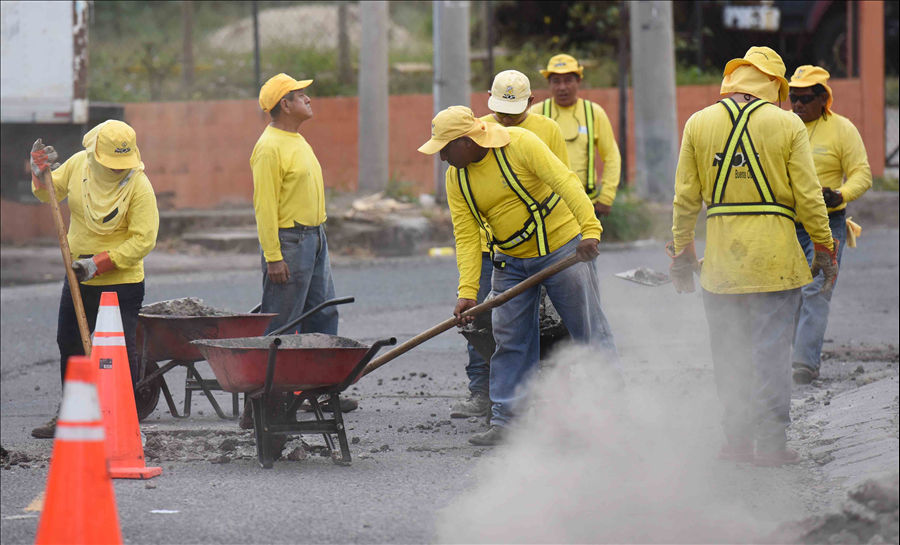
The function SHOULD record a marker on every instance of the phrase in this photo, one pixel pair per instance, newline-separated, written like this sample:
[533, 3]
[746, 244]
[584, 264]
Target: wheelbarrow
[297, 368]
[164, 337]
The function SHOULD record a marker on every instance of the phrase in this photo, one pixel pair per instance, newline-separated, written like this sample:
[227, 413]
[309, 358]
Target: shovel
[449, 323]
[647, 277]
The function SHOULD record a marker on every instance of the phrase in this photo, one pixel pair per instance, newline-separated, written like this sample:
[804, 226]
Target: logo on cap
[432, 130]
[799, 72]
[124, 148]
[561, 63]
[508, 95]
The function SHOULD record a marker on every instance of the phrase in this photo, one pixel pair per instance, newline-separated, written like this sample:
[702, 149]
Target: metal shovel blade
[647, 277]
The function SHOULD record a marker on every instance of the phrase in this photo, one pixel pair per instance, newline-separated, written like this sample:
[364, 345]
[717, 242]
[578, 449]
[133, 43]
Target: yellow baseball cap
[458, 121]
[767, 61]
[510, 93]
[278, 86]
[808, 76]
[563, 64]
[116, 146]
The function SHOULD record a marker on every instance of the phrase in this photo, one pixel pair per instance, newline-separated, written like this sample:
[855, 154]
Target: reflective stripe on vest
[591, 188]
[740, 138]
[534, 226]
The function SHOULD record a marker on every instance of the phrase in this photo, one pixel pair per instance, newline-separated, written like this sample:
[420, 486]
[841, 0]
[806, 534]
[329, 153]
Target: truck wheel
[148, 397]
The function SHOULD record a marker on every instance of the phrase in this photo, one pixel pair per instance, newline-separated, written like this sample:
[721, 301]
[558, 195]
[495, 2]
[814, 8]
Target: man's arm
[605, 142]
[688, 193]
[466, 231]
[809, 204]
[266, 188]
[855, 164]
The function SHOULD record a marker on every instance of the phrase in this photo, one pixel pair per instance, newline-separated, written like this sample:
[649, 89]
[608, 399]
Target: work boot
[478, 404]
[47, 431]
[347, 404]
[804, 374]
[737, 451]
[777, 458]
[496, 435]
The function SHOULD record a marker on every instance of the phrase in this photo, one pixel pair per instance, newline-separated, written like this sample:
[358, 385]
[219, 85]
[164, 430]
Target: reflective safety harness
[747, 156]
[534, 226]
[591, 189]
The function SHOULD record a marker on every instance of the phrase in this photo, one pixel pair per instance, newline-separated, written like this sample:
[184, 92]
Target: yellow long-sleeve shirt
[750, 253]
[604, 143]
[287, 187]
[541, 173]
[548, 131]
[128, 245]
[838, 151]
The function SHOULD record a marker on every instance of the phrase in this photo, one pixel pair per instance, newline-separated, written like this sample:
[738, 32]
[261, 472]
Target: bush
[629, 220]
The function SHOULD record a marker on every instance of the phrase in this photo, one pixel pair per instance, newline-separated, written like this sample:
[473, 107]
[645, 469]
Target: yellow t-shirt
[838, 151]
[127, 245]
[750, 253]
[573, 128]
[540, 173]
[287, 187]
[548, 131]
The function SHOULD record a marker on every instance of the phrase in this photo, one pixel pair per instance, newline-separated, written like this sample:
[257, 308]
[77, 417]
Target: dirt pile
[9, 458]
[305, 340]
[869, 515]
[217, 446]
[186, 306]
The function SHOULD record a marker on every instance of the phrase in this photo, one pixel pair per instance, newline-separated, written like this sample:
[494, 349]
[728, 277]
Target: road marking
[20, 517]
[37, 504]
[164, 511]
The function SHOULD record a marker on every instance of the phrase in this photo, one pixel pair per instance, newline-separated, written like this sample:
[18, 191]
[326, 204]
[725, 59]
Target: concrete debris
[150, 486]
[374, 206]
[306, 340]
[199, 445]
[220, 459]
[186, 306]
[869, 515]
[297, 455]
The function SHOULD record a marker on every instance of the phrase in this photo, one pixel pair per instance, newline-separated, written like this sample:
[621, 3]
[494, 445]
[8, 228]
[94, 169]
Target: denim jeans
[575, 293]
[478, 370]
[305, 251]
[812, 315]
[68, 337]
[750, 337]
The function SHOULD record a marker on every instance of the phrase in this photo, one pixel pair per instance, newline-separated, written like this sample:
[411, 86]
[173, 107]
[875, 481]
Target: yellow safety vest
[534, 226]
[731, 158]
[592, 190]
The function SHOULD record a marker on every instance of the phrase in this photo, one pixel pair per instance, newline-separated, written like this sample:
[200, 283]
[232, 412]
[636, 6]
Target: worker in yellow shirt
[749, 161]
[289, 200]
[505, 181]
[112, 227]
[586, 129]
[510, 101]
[839, 155]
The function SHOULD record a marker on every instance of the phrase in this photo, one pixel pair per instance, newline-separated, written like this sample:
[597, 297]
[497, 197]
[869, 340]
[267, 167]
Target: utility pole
[623, 90]
[345, 74]
[373, 130]
[655, 112]
[257, 68]
[451, 68]
[187, 47]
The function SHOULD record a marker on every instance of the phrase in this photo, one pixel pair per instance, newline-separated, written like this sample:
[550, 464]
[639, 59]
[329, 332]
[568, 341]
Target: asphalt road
[418, 484]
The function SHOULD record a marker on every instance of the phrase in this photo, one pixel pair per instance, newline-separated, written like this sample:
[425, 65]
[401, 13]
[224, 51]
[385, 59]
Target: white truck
[44, 85]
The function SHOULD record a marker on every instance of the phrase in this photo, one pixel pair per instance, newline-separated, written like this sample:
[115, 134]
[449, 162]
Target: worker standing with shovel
[507, 182]
[749, 161]
[839, 154]
[113, 226]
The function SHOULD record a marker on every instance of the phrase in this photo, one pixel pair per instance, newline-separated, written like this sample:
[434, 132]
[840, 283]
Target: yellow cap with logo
[563, 64]
[116, 146]
[808, 76]
[510, 93]
[767, 61]
[278, 86]
[458, 121]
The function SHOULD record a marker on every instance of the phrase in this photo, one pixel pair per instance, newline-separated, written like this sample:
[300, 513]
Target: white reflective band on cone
[80, 433]
[109, 320]
[109, 341]
[80, 402]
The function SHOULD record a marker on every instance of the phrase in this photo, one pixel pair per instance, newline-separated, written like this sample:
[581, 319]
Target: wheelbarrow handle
[357, 371]
[292, 324]
[270, 365]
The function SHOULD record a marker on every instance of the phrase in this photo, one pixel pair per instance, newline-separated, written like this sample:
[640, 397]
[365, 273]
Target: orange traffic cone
[80, 505]
[123, 433]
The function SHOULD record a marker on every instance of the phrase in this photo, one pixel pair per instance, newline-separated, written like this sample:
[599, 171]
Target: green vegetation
[885, 183]
[892, 91]
[629, 220]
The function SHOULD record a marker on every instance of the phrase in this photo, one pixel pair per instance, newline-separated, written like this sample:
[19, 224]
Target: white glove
[85, 269]
[43, 157]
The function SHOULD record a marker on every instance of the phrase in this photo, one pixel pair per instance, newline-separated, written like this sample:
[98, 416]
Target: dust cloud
[635, 467]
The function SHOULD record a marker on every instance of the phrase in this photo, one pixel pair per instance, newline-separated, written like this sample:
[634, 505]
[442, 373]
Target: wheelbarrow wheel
[147, 398]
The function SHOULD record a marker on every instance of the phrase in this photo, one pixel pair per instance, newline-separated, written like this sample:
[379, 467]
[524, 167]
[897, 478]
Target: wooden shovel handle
[67, 259]
[474, 311]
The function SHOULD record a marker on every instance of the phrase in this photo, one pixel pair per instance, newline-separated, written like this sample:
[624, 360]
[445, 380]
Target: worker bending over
[839, 154]
[586, 129]
[749, 161]
[510, 102]
[507, 182]
[112, 227]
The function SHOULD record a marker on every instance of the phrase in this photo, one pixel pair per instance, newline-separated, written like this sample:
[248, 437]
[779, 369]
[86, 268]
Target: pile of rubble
[186, 306]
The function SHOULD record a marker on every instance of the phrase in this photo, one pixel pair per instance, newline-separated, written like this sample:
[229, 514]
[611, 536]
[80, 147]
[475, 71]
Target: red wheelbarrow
[270, 369]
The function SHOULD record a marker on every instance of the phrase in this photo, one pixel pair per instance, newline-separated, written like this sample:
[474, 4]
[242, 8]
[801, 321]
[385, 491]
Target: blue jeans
[812, 315]
[478, 370]
[575, 293]
[750, 337]
[305, 251]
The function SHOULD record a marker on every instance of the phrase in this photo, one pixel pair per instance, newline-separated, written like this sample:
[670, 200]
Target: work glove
[85, 269]
[825, 261]
[684, 266]
[833, 197]
[42, 158]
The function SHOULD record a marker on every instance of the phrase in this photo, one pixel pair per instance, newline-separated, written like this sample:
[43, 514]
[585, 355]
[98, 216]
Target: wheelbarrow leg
[173, 410]
[206, 391]
[329, 442]
[335, 402]
[187, 392]
[235, 408]
[263, 442]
